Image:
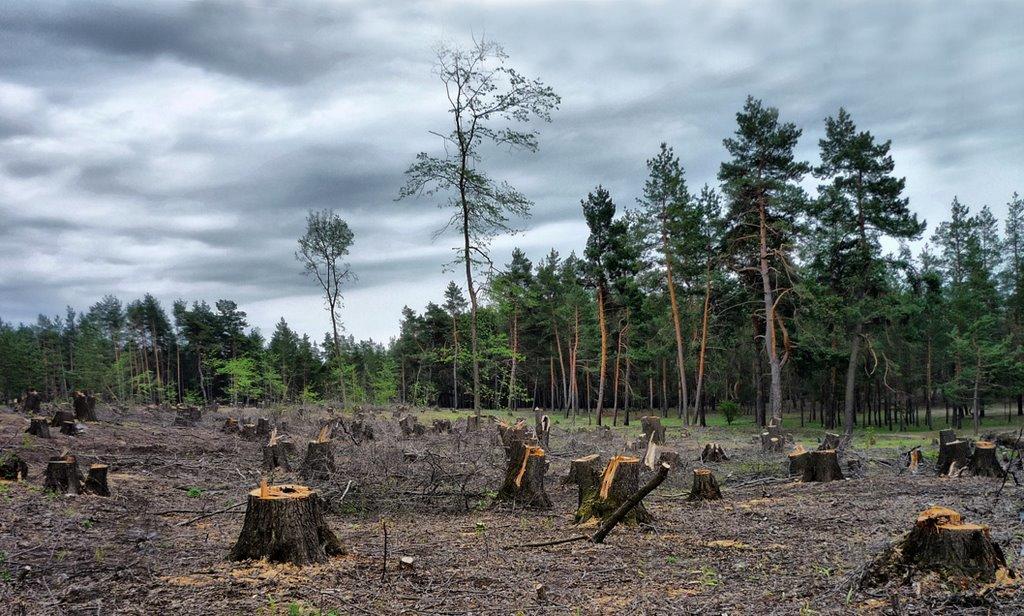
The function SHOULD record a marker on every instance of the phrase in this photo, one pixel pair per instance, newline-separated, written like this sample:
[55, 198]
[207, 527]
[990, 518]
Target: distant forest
[897, 333]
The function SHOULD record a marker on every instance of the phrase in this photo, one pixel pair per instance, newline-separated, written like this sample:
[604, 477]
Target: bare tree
[321, 251]
[487, 98]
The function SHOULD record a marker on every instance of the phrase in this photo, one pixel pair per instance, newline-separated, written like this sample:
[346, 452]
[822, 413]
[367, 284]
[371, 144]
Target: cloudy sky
[175, 147]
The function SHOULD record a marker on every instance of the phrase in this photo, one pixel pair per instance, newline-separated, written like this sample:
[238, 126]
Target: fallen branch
[211, 514]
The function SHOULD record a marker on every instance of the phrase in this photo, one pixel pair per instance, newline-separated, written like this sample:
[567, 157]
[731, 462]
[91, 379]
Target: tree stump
[188, 417]
[983, 462]
[914, 460]
[248, 432]
[525, 468]
[822, 465]
[84, 405]
[667, 455]
[60, 417]
[713, 452]
[230, 426]
[585, 472]
[619, 481]
[319, 462]
[12, 467]
[441, 426]
[941, 542]
[946, 436]
[472, 423]
[363, 430]
[263, 427]
[411, 426]
[286, 524]
[651, 425]
[542, 428]
[275, 454]
[38, 426]
[831, 441]
[32, 402]
[953, 457]
[705, 486]
[798, 461]
[96, 480]
[773, 439]
[62, 475]
[69, 428]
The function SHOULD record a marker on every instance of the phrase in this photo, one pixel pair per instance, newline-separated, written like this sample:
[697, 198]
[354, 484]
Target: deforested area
[323, 308]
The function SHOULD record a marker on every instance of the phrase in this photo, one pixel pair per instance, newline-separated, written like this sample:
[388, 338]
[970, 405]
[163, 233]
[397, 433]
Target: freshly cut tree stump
[713, 452]
[188, 417]
[822, 465]
[60, 417]
[941, 542]
[319, 462]
[84, 405]
[914, 460]
[705, 486]
[285, 524]
[542, 428]
[411, 426]
[62, 475]
[32, 402]
[440, 426]
[619, 481]
[230, 426]
[248, 432]
[953, 457]
[585, 472]
[798, 461]
[263, 427]
[275, 454]
[983, 462]
[96, 480]
[667, 455]
[12, 467]
[831, 441]
[525, 468]
[651, 425]
[38, 426]
[69, 428]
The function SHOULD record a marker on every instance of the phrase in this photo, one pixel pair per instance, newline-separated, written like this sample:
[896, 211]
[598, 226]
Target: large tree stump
[525, 468]
[651, 425]
[585, 472]
[275, 454]
[62, 475]
[32, 402]
[38, 426]
[822, 465]
[953, 457]
[12, 467]
[84, 405]
[60, 417]
[96, 480]
[705, 486]
[831, 441]
[941, 542]
[188, 417]
[983, 462]
[69, 428]
[619, 481]
[713, 452]
[798, 461]
[230, 426]
[319, 462]
[285, 523]
[773, 439]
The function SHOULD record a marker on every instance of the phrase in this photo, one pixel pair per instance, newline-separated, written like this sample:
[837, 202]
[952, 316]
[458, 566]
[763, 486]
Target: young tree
[487, 99]
[765, 203]
[321, 251]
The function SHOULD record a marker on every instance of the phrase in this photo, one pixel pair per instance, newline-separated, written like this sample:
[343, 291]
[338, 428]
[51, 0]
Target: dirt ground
[771, 546]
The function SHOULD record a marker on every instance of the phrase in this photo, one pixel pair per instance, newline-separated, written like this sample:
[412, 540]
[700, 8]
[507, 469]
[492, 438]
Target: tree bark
[705, 487]
[604, 351]
[96, 481]
[822, 466]
[285, 524]
[38, 426]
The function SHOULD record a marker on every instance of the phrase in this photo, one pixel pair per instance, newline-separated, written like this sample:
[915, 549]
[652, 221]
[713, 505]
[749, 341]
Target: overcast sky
[175, 147]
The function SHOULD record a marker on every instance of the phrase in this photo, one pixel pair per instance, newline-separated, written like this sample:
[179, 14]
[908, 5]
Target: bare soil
[771, 546]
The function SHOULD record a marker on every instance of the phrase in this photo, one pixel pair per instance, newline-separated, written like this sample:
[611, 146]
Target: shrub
[730, 410]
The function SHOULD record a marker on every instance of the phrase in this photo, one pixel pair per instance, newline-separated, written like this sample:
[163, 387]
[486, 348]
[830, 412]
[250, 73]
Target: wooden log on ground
[705, 486]
[59, 417]
[983, 462]
[38, 426]
[798, 461]
[12, 467]
[942, 543]
[713, 452]
[954, 457]
[96, 480]
[585, 473]
[230, 426]
[830, 441]
[620, 479]
[319, 462]
[285, 524]
[822, 465]
[526, 465]
[651, 426]
[84, 405]
[62, 475]
[188, 417]
[70, 428]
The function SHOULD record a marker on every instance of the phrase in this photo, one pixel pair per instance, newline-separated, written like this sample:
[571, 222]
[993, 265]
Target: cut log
[822, 465]
[319, 462]
[983, 461]
[651, 426]
[84, 405]
[60, 417]
[230, 426]
[713, 452]
[96, 480]
[941, 542]
[62, 475]
[69, 428]
[38, 426]
[188, 417]
[953, 457]
[705, 486]
[585, 473]
[525, 468]
[620, 479]
[12, 467]
[286, 524]
[798, 461]
[831, 441]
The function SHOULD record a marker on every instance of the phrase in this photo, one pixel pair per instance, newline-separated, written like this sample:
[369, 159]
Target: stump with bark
[12, 467]
[60, 417]
[440, 426]
[248, 431]
[798, 461]
[667, 455]
[619, 481]
[542, 428]
[69, 428]
[705, 486]
[525, 468]
[651, 426]
[914, 460]
[263, 427]
[411, 426]
[983, 462]
[831, 441]
[96, 480]
[773, 439]
[942, 543]
[188, 417]
[230, 426]
[319, 462]
[32, 402]
[275, 454]
[38, 426]
[953, 457]
[822, 465]
[62, 475]
[84, 405]
[285, 523]
[713, 452]
[585, 473]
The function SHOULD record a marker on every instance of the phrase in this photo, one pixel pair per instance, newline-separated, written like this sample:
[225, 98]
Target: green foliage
[729, 409]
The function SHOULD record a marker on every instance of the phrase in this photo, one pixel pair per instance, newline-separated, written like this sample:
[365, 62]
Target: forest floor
[771, 546]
